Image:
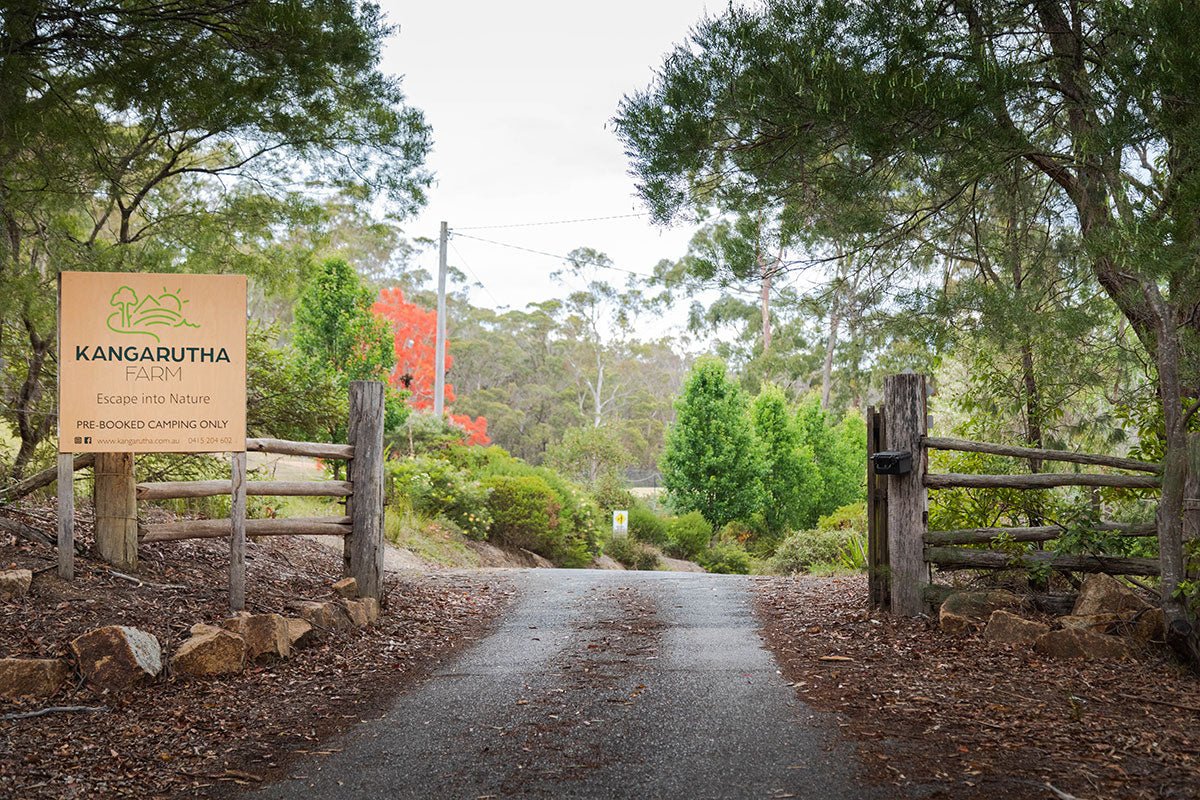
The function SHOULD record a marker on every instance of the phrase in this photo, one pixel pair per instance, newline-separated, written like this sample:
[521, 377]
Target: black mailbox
[892, 462]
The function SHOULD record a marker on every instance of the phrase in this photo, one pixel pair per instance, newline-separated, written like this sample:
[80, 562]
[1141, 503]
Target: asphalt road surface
[597, 685]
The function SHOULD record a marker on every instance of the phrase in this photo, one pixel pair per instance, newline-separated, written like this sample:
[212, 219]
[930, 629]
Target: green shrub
[847, 518]
[525, 513]
[646, 526]
[434, 487]
[726, 559]
[632, 553]
[735, 532]
[576, 528]
[688, 535]
[804, 549]
[611, 493]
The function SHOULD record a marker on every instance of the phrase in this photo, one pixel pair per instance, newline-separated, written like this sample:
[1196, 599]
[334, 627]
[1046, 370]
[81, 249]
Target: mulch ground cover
[204, 738]
[954, 716]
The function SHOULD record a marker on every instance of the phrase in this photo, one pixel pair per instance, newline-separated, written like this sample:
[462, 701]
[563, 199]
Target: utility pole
[439, 370]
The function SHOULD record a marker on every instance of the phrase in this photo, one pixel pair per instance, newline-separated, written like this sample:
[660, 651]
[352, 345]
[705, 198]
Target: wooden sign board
[151, 363]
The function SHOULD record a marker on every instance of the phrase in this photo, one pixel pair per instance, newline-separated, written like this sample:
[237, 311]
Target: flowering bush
[436, 487]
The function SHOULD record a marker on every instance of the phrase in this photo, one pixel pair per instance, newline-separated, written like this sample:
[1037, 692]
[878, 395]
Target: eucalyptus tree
[177, 137]
[819, 103]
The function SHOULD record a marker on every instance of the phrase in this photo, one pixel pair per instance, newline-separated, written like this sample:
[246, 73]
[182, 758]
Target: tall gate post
[907, 497]
[115, 495]
[364, 546]
[877, 546]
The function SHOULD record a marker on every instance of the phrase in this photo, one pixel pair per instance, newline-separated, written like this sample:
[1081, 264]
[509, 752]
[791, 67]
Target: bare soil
[189, 738]
[956, 717]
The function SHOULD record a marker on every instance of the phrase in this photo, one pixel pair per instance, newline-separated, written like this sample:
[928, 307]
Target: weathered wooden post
[115, 495]
[877, 549]
[364, 545]
[66, 516]
[907, 497]
[237, 540]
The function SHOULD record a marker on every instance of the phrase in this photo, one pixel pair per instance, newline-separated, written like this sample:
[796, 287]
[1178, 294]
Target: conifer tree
[712, 463]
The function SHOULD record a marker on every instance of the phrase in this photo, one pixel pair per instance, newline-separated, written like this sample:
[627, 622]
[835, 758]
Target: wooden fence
[902, 549]
[361, 527]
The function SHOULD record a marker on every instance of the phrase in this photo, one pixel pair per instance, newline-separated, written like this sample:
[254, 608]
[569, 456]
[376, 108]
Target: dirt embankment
[962, 718]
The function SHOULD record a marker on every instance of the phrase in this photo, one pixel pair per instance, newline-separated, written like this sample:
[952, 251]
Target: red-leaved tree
[415, 335]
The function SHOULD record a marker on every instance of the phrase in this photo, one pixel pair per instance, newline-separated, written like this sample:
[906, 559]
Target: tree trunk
[1175, 461]
[766, 310]
[831, 343]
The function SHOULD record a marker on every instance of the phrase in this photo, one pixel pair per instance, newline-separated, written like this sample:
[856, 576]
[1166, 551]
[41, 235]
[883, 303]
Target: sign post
[148, 363]
[620, 523]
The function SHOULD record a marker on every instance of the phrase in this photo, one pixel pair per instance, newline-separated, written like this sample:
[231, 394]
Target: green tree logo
[135, 317]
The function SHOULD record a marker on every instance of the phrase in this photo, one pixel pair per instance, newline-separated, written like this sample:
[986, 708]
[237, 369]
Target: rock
[347, 588]
[1004, 627]
[372, 606]
[1079, 643]
[117, 656]
[1104, 594]
[266, 635]
[203, 627]
[326, 617]
[536, 561]
[357, 611]
[15, 582]
[962, 612]
[300, 632]
[213, 652]
[32, 677]
[1147, 625]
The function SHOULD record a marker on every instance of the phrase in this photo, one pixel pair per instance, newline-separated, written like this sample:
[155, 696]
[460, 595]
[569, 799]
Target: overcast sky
[520, 95]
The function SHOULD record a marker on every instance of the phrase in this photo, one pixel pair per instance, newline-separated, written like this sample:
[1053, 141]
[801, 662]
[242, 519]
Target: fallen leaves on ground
[189, 738]
[966, 719]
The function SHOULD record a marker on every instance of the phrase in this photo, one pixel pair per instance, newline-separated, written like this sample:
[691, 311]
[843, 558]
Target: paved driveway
[597, 685]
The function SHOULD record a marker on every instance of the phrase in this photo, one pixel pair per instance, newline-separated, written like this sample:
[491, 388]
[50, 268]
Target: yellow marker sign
[151, 363]
[620, 523]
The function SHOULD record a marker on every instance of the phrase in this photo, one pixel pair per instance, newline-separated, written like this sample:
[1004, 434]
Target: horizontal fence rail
[1040, 480]
[1041, 533]
[180, 490]
[219, 528]
[283, 447]
[968, 446]
[948, 558]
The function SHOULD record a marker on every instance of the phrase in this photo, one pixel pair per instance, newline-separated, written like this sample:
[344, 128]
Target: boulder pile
[119, 657]
[1108, 621]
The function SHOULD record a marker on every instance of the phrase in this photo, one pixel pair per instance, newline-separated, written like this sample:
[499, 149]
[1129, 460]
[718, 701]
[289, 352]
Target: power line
[473, 275]
[550, 222]
[556, 256]
[560, 257]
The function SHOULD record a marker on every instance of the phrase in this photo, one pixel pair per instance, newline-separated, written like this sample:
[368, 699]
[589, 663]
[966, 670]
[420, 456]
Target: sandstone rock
[1079, 643]
[1004, 627]
[372, 606]
[15, 582]
[266, 635]
[203, 627]
[1104, 594]
[347, 588]
[117, 656]
[326, 617]
[300, 632]
[32, 677]
[357, 612]
[962, 612]
[1145, 626]
[213, 652]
